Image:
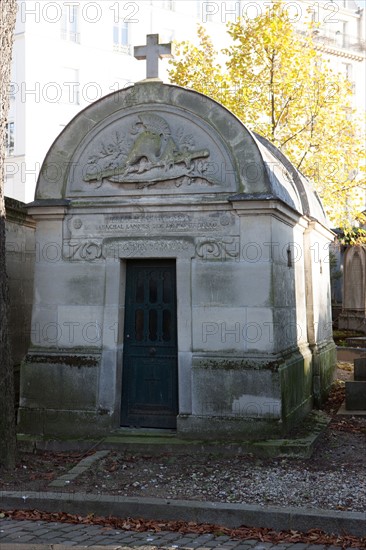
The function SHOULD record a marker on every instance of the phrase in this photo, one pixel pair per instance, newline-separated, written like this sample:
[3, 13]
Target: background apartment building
[68, 54]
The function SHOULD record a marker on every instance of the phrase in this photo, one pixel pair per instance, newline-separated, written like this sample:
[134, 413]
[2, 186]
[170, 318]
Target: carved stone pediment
[148, 154]
[164, 149]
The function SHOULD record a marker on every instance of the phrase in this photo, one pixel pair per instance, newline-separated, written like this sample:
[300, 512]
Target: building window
[347, 73]
[9, 139]
[347, 70]
[342, 36]
[12, 90]
[121, 37]
[168, 5]
[70, 23]
[345, 37]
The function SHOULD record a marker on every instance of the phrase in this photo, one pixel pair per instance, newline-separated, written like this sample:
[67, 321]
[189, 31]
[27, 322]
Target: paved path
[230, 515]
[31, 535]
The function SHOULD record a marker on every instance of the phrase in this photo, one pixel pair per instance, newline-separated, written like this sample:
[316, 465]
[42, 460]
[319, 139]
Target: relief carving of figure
[150, 154]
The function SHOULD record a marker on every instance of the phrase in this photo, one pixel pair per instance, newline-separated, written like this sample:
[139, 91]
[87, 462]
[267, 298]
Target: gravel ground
[330, 480]
[334, 478]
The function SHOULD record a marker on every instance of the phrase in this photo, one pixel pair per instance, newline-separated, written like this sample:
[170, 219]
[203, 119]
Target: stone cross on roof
[151, 52]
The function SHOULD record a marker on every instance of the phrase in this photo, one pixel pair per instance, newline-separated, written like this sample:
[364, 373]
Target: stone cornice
[340, 52]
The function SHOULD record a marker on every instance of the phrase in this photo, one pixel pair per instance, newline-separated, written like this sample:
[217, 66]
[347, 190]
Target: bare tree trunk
[7, 420]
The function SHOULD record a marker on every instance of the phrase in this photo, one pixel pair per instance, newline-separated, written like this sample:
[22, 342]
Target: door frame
[181, 250]
[138, 352]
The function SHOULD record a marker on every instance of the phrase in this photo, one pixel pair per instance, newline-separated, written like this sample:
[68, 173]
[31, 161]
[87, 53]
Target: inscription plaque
[99, 225]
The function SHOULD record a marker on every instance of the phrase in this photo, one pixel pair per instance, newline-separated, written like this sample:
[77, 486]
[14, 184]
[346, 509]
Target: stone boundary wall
[20, 259]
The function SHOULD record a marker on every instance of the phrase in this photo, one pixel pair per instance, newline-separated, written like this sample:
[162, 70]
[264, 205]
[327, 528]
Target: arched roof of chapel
[154, 140]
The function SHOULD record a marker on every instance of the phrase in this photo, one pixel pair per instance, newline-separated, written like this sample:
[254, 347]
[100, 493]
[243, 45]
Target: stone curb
[79, 469]
[228, 515]
[15, 546]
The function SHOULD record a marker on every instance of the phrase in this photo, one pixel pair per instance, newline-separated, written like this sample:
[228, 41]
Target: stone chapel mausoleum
[182, 278]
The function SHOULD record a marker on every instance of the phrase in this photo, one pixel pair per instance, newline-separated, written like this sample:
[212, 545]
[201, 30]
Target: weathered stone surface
[21, 255]
[354, 283]
[360, 369]
[355, 396]
[159, 173]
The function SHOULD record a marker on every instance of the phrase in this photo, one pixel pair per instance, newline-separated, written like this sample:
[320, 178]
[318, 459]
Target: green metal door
[149, 380]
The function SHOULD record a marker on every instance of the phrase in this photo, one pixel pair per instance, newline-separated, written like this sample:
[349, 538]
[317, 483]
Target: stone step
[356, 342]
[360, 369]
[156, 442]
[355, 396]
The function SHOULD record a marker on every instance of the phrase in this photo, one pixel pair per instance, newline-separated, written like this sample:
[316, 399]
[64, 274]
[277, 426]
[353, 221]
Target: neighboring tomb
[182, 281]
[353, 316]
[356, 388]
[20, 259]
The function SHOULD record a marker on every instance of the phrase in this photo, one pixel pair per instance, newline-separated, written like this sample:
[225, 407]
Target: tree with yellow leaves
[280, 86]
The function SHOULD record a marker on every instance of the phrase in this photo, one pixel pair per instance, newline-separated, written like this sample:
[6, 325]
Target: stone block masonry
[185, 295]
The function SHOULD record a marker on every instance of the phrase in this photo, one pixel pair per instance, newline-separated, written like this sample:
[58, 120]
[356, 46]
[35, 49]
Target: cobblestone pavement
[41, 532]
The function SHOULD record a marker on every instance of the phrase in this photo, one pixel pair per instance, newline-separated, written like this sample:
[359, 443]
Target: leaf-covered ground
[313, 536]
[339, 458]
[34, 471]
[342, 448]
